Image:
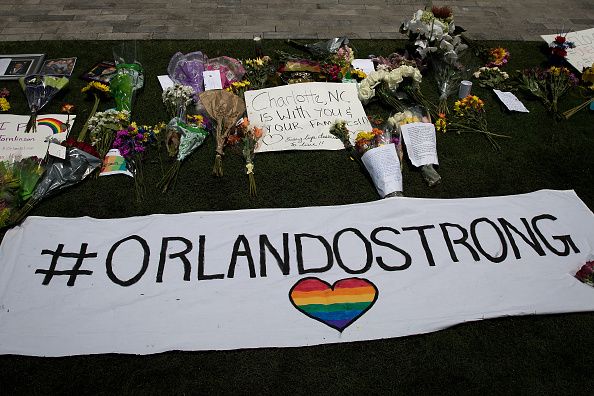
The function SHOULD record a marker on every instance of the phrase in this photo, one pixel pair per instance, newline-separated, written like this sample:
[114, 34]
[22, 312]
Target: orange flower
[232, 140]
[67, 108]
[258, 132]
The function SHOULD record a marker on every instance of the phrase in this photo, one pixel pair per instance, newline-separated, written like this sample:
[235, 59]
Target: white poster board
[583, 54]
[299, 116]
[289, 277]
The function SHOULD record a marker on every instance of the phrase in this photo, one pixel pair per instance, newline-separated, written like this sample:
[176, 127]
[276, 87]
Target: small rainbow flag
[337, 306]
[54, 124]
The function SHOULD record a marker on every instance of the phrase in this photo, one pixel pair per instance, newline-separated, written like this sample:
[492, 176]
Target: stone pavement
[238, 19]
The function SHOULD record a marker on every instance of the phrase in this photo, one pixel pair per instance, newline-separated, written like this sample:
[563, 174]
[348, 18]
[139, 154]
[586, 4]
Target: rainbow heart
[337, 306]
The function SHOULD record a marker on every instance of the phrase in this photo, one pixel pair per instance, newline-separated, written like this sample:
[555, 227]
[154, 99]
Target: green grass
[536, 354]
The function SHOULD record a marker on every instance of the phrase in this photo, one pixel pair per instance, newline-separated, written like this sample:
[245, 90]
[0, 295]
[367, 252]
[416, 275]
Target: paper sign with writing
[511, 101]
[299, 116]
[50, 124]
[583, 54]
[421, 144]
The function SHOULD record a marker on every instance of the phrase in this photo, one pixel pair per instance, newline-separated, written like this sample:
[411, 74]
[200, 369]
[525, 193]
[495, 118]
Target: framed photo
[61, 66]
[13, 67]
[102, 72]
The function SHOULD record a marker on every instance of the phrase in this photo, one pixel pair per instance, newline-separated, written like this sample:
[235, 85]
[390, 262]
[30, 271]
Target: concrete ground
[238, 19]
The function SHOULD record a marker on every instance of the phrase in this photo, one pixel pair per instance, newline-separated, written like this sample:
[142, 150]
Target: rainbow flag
[54, 124]
[337, 306]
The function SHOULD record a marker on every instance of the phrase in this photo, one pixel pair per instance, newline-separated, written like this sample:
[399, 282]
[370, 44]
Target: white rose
[365, 93]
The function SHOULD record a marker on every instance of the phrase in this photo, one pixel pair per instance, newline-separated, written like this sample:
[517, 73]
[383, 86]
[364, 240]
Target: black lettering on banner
[283, 263]
[201, 274]
[530, 240]
[299, 245]
[181, 255]
[380, 260]
[145, 261]
[74, 272]
[477, 242]
[421, 231]
[566, 239]
[460, 241]
[368, 251]
[241, 240]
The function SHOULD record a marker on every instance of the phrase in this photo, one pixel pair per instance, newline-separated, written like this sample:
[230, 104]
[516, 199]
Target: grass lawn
[535, 355]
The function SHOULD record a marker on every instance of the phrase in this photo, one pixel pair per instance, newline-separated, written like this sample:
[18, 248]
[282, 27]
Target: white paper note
[511, 101]
[383, 166]
[165, 82]
[4, 65]
[212, 80]
[365, 65]
[420, 141]
[57, 150]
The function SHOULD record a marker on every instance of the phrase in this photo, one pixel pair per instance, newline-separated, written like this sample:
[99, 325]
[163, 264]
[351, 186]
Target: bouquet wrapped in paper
[192, 133]
[39, 90]
[129, 77]
[377, 153]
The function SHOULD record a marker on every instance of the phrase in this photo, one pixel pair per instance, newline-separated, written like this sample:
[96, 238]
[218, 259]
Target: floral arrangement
[469, 116]
[332, 72]
[177, 99]
[239, 87]
[382, 81]
[248, 137]
[98, 91]
[586, 273]
[103, 127]
[559, 46]
[129, 77]
[343, 57]
[39, 90]
[492, 77]
[257, 71]
[395, 60]
[192, 134]
[4, 103]
[587, 85]
[428, 26]
[548, 85]
[132, 142]
[367, 140]
[497, 57]
[17, 182]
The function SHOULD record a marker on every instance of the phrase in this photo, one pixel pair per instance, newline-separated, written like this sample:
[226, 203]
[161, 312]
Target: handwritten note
[420, 141]
[299, 116]
[583, 54]
[511, 101]
[383, 166]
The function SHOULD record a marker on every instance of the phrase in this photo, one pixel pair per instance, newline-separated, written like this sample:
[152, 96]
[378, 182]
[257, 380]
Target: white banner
[299, 116]
[583, 54]
[289, 277]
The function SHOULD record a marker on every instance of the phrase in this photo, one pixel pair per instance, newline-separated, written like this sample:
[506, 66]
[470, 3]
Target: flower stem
[83, 133]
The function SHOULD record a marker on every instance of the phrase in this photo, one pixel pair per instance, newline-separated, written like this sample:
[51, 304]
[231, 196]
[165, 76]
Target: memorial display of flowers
[548, 85]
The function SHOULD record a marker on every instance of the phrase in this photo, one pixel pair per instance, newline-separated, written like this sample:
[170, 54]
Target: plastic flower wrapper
[321, 49]
[192, 134]
[132, 143]
[448, 77]
[39, 90]
[98, 91]
[225, 108]
[248, 137]
[586, 273]
[17, 182]
[129, 77]
[60, 174]
[376, 152]
[231, 69]
[187, 69]
[410, 115]
[103, 127]
[4, 103]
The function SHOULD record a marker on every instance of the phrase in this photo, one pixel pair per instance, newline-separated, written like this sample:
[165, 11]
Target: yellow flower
[4, 104]
[441, 125]
[96, 88]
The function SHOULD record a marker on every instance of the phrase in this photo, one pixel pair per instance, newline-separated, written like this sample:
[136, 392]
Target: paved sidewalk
[238, 19]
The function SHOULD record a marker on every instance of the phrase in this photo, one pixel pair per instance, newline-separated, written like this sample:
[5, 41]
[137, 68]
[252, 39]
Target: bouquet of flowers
[103, 127]
[586, 273]
[187, 70]
[410, 115]
[239, 87]
[248, 137]
[383, 83]
[343, 57]
[17, 181]
[192, 134]
[177, 99]
[39, 90]
[469, 116]
[376, 151]
[81, 160]
[492, 77]
[497, 57]
[231, 69]
[225, 108]
[129, 77]
[4, 103]
[132, 142]
[587, 85]
[98, 91]
[548, 85]
[257, 71]
[558, 48]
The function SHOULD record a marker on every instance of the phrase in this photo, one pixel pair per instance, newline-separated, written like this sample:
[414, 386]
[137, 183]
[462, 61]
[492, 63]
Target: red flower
[560, 39]
[560, 52]
[70, 142]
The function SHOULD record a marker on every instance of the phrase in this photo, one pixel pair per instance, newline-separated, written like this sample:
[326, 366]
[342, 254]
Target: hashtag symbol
[74, 272]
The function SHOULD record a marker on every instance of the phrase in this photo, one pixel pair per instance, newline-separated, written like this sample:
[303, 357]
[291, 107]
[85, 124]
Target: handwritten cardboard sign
[583, 54]
[299, 116]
